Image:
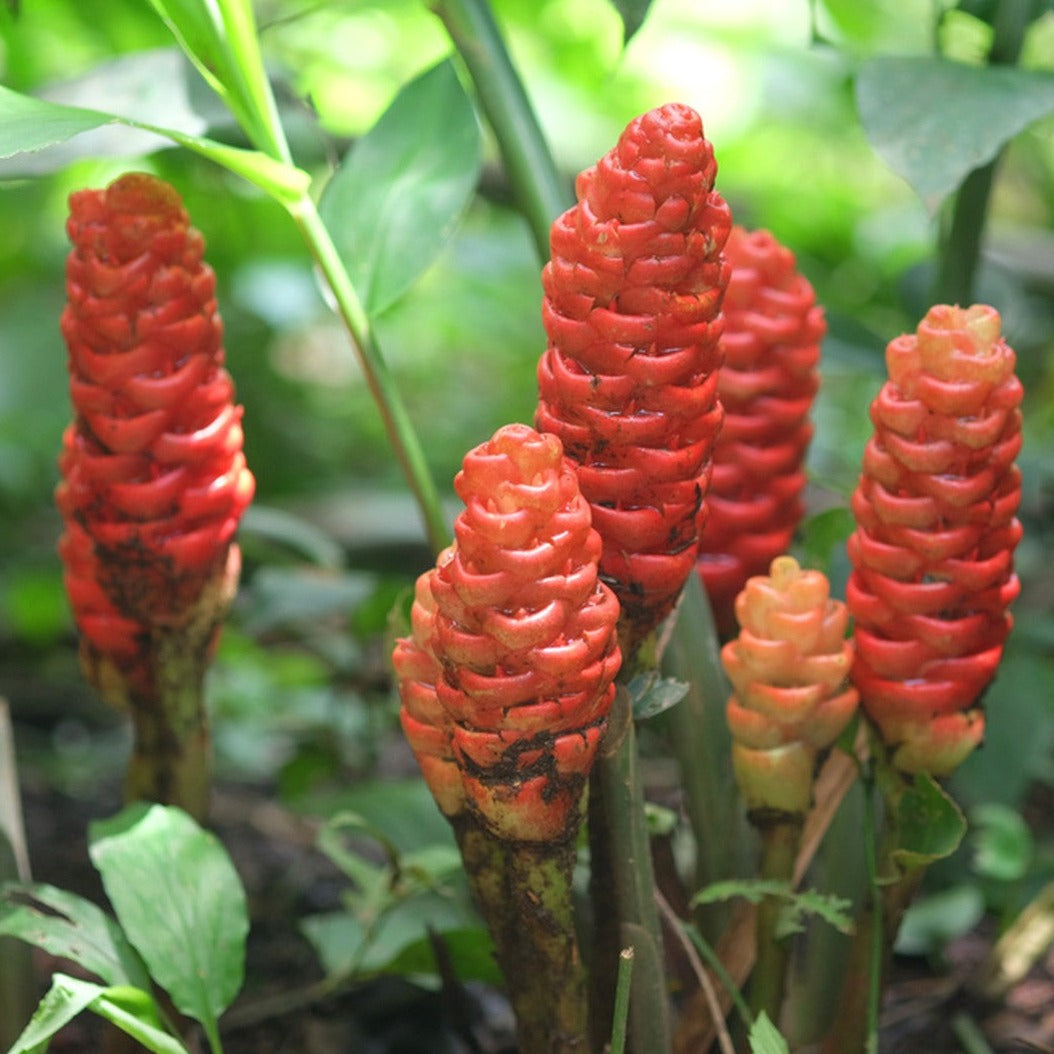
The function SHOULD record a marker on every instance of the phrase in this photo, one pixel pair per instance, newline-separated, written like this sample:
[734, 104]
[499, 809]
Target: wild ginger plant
[520, 678]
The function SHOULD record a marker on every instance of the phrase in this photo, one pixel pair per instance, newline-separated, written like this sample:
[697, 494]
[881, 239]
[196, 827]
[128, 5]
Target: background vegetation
[300, 691]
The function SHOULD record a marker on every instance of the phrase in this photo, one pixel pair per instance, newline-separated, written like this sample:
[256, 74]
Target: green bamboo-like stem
[171, 752]
[960, 249]
[702, 745]
[397, 423]
[523, 891]
[892, 889]
[622, 886]
[540, 193]
[780, 840]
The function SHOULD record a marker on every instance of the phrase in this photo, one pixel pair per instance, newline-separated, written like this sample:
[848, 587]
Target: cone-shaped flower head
[932, 553]
[771, 344]
[789, 669]
[514, 637]
[629, 380]
[154, 479]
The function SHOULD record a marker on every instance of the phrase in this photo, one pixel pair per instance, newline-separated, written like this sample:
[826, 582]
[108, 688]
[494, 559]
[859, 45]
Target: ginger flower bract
[932, 553]
[629, 380]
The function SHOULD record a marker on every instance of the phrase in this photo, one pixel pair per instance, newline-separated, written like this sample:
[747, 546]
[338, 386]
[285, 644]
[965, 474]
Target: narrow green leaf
[71, 927]
[930, 825]
[970, 113]
[834, 910]
[394, 201]
[29, 124]
[130, 1009]
[765, 1038]
[180, 902]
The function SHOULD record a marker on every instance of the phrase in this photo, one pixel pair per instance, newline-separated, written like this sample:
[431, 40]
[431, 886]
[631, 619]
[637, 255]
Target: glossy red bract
[154, 480]
[771, 346]
[628, 382]
[508, 675]
[932, 553]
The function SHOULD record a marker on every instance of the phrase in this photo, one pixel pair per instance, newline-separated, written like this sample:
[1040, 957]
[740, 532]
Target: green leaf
[130, 1009]
[929, 824]
[180, 902]
[650, 694]
[29, 124]
[71, 927]
[932, 921]
[833, 909]
[394, 201]
[632, 13]
[765, 1038]
[1003, 844]
[970, 112]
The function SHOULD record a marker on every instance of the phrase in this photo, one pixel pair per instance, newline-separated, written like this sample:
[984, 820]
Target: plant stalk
[523, 891]
[622, 886]
[539, 192]
[960, 249]
[397, 423]
[780, 839]
[171, 750]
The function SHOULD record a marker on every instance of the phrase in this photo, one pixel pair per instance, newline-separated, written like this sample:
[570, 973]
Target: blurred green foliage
[300, 687]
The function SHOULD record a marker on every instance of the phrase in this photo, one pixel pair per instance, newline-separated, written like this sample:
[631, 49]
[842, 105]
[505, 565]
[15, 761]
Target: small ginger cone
[506, 682]
[789, 669]
[154, 481]
[933, 549]
[771, 345]
[629, 380]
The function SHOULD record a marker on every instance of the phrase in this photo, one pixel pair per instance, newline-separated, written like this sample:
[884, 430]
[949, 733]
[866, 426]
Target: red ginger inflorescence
[154, 479]
[933, 549]
[771, 345]
[789, 668]
[629, 379]
[508, 676]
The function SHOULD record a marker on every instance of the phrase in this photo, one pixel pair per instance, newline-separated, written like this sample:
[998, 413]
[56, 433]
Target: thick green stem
[398, 426]
[960, 250]
[892, 889]
[780, 840]
[523, 891]
[540, 193]
[623, 889]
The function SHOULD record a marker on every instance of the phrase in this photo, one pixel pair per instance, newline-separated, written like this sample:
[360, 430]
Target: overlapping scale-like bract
[629, 379]
[771, 344]
[932, 553]
[789, 668]
[154, 480]
[508, 675]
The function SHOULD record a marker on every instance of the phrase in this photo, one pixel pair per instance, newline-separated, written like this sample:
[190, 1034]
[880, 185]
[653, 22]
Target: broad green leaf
[970, 112]
[650, 694]
[180, 902]
[71, 927]
[929, 824]
[765, 1038]
[394, 201]
[130, 1009]
[29, 124]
